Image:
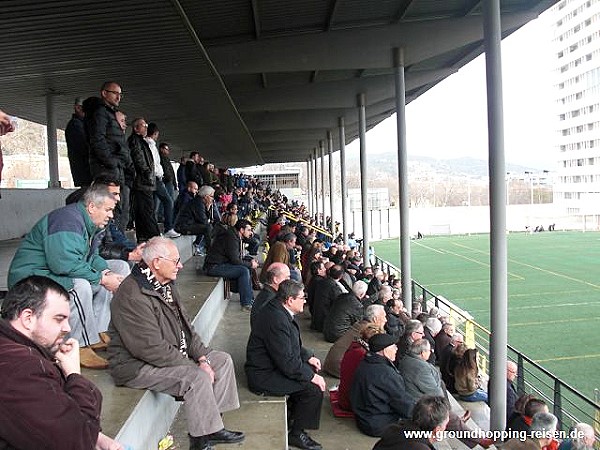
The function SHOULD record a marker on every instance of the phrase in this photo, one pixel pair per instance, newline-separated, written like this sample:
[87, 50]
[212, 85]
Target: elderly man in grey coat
[421, 378]
[154, 346]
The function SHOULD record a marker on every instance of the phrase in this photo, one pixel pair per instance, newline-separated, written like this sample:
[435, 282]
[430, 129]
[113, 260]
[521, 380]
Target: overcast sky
[450, 120]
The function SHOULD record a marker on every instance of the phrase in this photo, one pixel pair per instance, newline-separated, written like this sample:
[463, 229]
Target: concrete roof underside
[242, 81]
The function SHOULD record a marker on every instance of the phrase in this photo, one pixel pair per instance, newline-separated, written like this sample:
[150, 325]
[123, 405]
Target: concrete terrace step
[263, 419]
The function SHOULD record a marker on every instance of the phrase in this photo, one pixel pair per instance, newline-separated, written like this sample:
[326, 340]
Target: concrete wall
[385, 224]
[20, 209]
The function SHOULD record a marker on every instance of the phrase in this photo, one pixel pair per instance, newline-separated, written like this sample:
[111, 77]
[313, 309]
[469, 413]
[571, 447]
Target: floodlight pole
[342, 130]
[498, 248]
[403, 198]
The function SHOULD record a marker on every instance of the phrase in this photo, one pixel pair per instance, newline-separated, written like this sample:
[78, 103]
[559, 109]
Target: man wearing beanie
[378, 394]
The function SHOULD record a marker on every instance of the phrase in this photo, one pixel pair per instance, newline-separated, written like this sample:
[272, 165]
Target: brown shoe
[99, 346]
[104, 337]
[89, 359]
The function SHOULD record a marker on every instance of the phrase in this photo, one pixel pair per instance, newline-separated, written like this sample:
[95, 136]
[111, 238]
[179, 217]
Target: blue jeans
[239, 273]
[166, 200]
[478, 396]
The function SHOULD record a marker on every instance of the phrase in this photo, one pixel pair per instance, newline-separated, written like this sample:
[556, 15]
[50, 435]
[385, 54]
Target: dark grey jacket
[145, 178]
[345, 311]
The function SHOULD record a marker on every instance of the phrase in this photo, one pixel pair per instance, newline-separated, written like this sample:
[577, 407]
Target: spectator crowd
[81, 285]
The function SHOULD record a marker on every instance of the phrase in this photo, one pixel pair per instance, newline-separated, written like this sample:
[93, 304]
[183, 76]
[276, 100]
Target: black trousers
[304, 408]
[145, 221]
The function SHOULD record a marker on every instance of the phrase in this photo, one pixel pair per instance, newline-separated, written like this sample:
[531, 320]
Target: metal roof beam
[347, 50]
[404, 5]
[334, 94]
[331, 14]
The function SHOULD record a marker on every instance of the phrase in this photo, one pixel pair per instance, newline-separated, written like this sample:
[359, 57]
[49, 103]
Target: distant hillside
[387, 162]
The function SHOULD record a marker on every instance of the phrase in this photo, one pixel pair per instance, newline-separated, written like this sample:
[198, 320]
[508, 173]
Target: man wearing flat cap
[378, 395]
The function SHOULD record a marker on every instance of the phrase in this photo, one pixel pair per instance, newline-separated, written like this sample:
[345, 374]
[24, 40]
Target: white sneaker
[172, 234]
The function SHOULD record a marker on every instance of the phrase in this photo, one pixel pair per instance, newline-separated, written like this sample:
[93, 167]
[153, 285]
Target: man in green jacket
[63, 246]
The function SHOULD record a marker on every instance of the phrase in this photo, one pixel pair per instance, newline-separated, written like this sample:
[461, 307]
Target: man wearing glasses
[413, 332]
[154, 346]
[107, 148]
[224, 259]
[277, 364]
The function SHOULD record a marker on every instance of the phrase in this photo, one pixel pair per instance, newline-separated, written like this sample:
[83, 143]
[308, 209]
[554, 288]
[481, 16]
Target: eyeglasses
[176, 261]
[419, 332]
[115, 92]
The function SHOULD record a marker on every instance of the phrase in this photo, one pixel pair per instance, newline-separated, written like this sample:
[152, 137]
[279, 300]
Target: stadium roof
[242, 81]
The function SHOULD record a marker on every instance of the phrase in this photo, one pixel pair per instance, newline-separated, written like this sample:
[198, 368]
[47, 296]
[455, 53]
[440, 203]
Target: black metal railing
[568, 404]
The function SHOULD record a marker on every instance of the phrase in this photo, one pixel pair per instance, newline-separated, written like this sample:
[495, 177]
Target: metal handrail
[305, 222]
[559, 392]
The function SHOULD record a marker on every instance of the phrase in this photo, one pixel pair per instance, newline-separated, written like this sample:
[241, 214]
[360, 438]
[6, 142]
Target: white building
[576, 43]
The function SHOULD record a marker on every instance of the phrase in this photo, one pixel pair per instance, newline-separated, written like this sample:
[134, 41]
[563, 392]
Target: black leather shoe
[200, 443]
[303, 441]
[225, 437]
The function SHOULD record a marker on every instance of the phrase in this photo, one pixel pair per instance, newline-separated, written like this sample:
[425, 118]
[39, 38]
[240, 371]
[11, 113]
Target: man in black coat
[277, 364]
[144, 184]
[224, 259]
[511, 391]
[107, 150]
[193, 168]
[326, 291]
[346, 310]
[317, 273]
[77, 147]
[378, 394]
[197, 216]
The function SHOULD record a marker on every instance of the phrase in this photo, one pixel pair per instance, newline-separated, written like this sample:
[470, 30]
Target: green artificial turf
[553, 286]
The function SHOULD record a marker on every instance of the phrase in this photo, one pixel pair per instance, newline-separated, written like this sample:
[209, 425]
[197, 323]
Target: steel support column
[404, 200]
[331, 190]
[344, 190]
[362, 135]
[316, 186]
[322, 153]
[52, 141]
[498, 248]
[308, 182]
